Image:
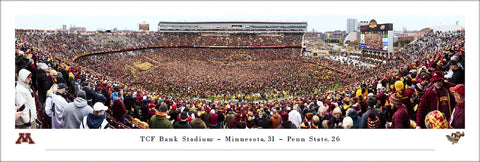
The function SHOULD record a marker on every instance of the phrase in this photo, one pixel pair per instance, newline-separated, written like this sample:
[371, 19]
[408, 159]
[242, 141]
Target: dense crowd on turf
[289, 90]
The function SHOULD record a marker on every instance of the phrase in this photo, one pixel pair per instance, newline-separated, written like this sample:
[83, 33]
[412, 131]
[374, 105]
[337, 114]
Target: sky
[319, 23]
[321, 16]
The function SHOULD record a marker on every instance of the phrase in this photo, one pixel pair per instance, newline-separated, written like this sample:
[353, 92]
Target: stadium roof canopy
[164, 26]
[227, 22]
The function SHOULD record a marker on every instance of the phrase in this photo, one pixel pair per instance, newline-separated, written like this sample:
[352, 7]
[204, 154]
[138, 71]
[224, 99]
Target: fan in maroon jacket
[119, 109]
[436, 97]
[238, 121]
[213, 119]
[458, 117]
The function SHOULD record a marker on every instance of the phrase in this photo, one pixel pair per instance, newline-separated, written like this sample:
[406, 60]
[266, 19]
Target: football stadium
[238, 75]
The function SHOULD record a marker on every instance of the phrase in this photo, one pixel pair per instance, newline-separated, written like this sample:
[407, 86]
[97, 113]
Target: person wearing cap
[381, 100]
[437, 97]
[54, 108]
[213, 119]
[432, 67]
[239, 121]
[64, 73]
[183, 109]
[276, 118]
[24, 95]
[76, 110]
[328, 124]
[373, 121]
[371, 109]
[307, 124]
[42, 82]
[86, 86]
[264, 119]
[286, 124]
[355, 117]
[160, 119]
[99, 97]
[436, 120]
[205, 116]
[53, 75]
[400, 118]
[457, 120]
[21, 61]
[114, 94]
[401, 94]
[458, 76]
[183, 123]
[96, 119]
[221, 118]
[129, 102]
[362, 105]
[56, 79]
[70, 81]
[421, 87]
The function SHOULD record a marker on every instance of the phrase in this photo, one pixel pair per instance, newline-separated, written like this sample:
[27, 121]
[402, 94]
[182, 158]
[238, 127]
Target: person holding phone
[19, 112]
[24, 96]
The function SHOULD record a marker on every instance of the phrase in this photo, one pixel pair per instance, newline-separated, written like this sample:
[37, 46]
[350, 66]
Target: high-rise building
[352, 25]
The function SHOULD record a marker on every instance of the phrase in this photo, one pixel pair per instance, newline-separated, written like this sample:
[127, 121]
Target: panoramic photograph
[239, 80]
[360, 73]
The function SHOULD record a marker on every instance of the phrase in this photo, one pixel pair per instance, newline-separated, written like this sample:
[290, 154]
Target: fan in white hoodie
[24, 96]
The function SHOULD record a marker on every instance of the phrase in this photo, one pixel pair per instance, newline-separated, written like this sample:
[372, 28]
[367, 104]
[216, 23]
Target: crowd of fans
[75, 44]
[171, 87]
[188, 72]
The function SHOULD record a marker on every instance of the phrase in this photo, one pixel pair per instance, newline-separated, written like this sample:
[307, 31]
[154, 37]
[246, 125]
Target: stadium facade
[236, 27]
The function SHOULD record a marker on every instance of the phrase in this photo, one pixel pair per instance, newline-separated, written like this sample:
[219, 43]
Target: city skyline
[321, 16]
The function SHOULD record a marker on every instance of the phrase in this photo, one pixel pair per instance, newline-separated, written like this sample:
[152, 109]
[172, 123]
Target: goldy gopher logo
[372, 24]
[455, 137]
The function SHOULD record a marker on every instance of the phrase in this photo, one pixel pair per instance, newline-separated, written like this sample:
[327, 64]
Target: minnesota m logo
[24, 138]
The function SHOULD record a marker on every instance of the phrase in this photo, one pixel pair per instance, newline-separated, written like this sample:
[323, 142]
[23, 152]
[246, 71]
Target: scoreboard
[144, 26]
[377, 36]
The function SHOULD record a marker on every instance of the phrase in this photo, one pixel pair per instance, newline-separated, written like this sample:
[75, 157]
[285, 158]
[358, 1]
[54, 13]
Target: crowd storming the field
[198, 81]
[374, 41]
